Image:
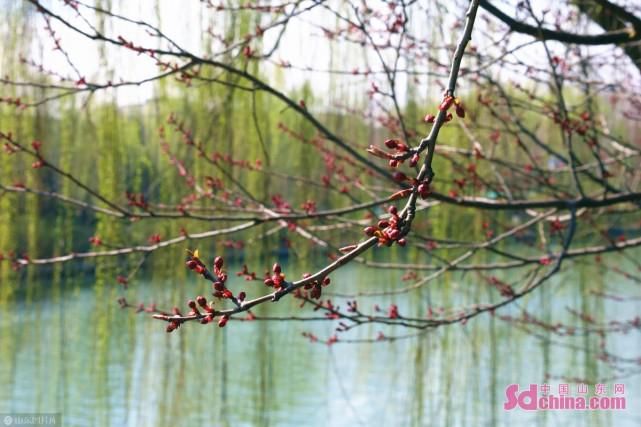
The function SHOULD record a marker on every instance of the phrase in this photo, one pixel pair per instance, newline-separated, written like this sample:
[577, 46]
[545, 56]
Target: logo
[536, 398]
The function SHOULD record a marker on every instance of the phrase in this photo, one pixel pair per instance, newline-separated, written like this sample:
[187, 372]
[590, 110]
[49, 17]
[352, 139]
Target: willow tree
[476, 137]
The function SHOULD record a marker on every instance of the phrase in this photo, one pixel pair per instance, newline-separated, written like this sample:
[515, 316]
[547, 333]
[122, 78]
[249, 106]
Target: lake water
[66, 347]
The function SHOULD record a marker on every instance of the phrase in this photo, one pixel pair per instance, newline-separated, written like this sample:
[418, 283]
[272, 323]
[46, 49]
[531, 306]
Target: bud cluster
[277, 279]
[396, 158]
[220, 278]
[315, 286]
[388, 230]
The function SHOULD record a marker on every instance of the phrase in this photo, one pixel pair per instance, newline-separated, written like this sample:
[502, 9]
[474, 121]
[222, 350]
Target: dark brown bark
[621, 27]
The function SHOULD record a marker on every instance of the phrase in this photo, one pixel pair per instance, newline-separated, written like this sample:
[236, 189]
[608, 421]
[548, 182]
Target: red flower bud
[430, 118]
[423, 190]
[315, 292]
[218, 262]
[276, 268]
[446, 103]
[392, 143]
[223, 321]
[399, 176]
[393, 234]
[202, 301]
[392, 312]
[277, 279]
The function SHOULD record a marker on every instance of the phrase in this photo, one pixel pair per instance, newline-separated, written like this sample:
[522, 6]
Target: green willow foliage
[116, 148]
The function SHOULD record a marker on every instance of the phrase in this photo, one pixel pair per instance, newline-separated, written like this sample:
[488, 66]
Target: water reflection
[67, 347]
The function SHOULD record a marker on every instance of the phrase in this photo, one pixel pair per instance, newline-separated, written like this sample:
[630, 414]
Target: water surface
[68, 348]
